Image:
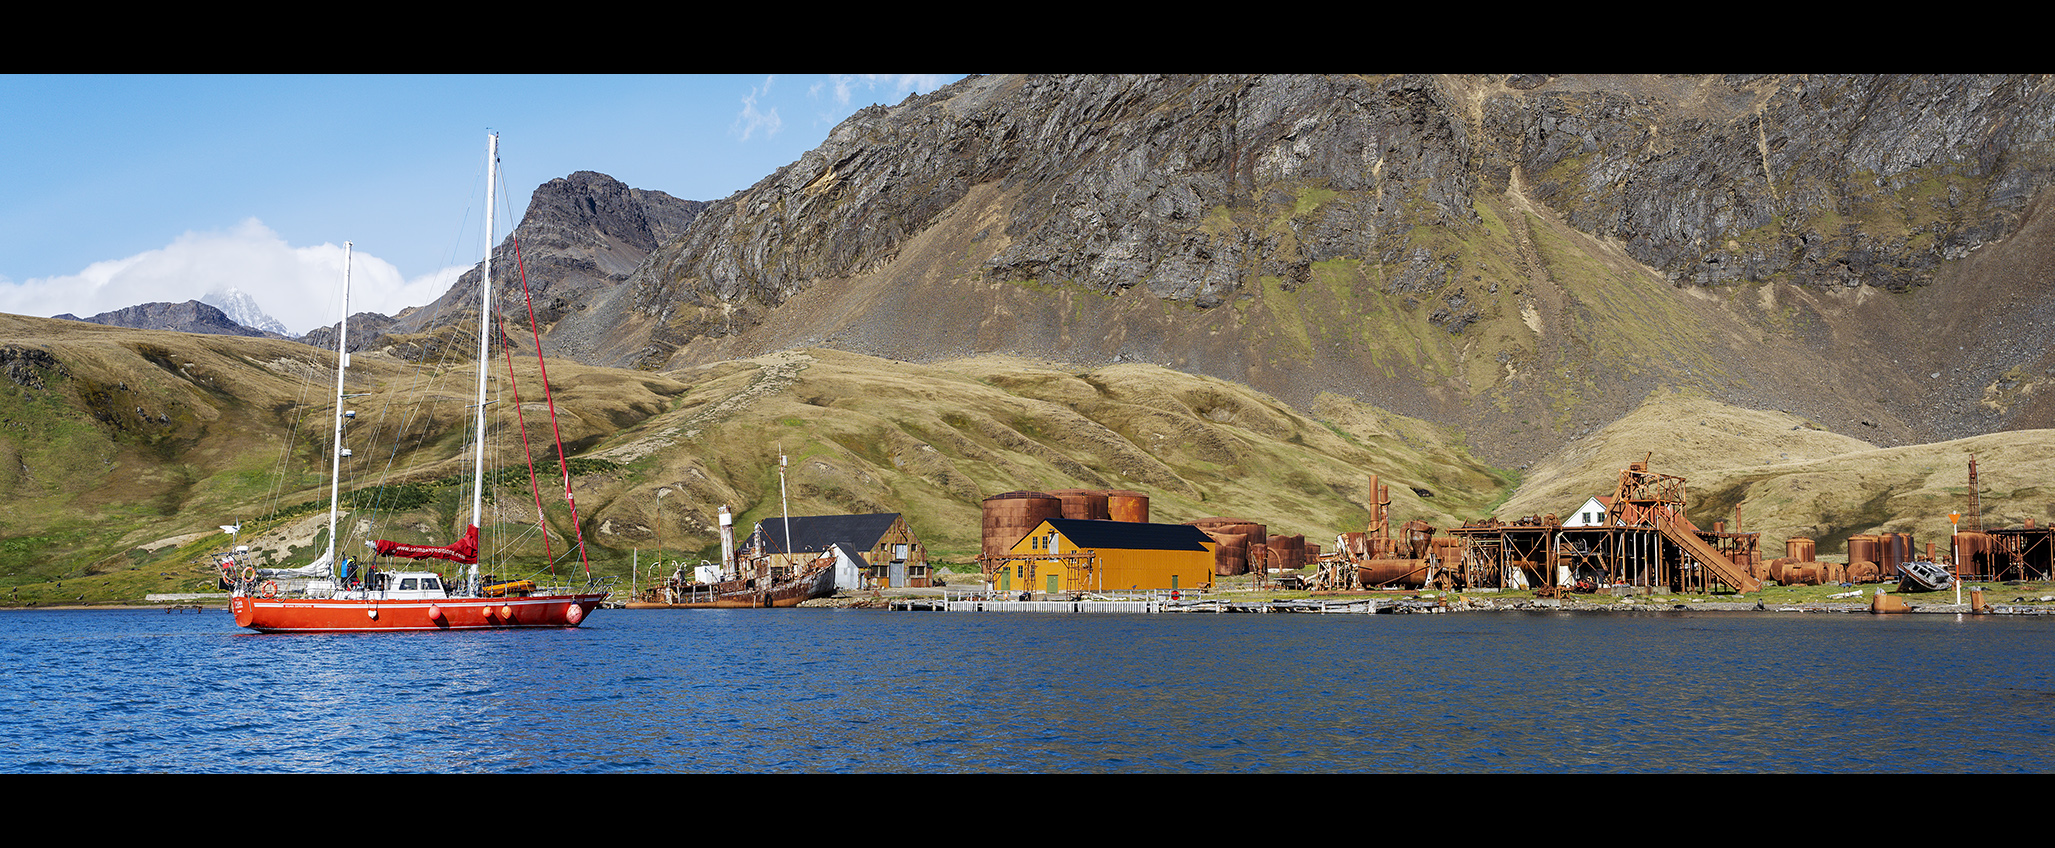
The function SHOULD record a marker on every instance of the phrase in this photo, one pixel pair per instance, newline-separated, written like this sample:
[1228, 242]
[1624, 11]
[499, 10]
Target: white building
[1591, 514]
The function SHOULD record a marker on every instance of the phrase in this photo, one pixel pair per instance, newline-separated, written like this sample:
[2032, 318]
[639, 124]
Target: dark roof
[814, 533]
[1130, 535]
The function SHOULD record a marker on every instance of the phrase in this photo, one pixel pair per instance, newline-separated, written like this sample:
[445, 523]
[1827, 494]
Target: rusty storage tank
[1974, 551]
[1862, 571]
[1863, 548]
[1288, 552]
[1765, 570]
[1392, 572]
[1800, 549]
[1257, 533]
[1230, 553]
[1888, 553]
[1803, 574]
[1125, 505]
[1011, 516]
[1083, 504]
[1901, 544]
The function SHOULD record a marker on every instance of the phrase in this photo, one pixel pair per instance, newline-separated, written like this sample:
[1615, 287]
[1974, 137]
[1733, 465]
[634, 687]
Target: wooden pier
[1183, 604]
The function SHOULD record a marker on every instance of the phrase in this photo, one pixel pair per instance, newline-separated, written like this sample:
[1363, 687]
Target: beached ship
[1923, 576]
[327, 596]
[756, 578]
[772, 586]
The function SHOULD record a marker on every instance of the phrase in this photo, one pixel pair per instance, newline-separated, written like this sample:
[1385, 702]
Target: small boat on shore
[1923, 576]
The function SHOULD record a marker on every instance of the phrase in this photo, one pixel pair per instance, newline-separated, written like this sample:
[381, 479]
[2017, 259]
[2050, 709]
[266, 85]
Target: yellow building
[1068, 556]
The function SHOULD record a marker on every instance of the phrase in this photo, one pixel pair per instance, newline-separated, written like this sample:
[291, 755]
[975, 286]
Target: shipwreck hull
[746, 594]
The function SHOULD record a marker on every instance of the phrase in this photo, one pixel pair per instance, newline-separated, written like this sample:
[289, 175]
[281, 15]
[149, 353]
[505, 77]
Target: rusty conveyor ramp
[1680, 533]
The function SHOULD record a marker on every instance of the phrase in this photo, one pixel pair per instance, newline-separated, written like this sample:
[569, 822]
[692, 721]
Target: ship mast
[342, 361]
[484, 341]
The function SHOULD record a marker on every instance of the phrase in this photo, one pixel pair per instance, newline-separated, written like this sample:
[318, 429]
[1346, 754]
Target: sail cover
[464, 551]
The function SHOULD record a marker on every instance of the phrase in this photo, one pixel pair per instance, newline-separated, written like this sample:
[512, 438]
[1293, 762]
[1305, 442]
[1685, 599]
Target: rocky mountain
[581, 237]
[241, 308]
[1524, 256]
[191, 316]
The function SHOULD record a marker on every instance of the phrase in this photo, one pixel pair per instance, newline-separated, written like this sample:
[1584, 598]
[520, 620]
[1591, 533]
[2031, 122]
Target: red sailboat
[332, 600]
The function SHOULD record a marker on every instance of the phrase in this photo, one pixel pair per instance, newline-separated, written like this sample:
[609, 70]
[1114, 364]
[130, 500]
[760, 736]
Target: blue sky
[118, 190]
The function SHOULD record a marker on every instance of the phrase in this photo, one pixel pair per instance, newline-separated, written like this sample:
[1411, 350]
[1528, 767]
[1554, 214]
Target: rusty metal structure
[1377, 558]
[1644, 541]
[2013, 553]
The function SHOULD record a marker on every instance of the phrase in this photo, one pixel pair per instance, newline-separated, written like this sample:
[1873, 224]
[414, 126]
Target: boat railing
[593, 586]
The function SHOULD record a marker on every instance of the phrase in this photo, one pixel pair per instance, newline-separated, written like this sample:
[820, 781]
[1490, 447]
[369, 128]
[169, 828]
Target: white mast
[342, 361]
[484, 340]
[784, 506]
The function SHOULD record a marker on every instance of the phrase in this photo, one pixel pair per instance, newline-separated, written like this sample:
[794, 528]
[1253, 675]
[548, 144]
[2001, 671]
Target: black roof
[814, 533]
[1130, 535]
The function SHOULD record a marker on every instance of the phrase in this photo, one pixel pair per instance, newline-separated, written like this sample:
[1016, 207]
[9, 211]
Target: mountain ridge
[1427, 242]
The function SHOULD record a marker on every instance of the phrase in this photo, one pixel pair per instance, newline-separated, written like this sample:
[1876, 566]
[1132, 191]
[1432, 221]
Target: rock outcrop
[581, 236]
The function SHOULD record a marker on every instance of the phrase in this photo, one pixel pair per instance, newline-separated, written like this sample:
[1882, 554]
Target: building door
[1054, 587]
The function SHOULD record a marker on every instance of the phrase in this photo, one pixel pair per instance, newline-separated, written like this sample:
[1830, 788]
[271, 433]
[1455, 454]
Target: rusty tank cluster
[1013, 515]
[1241, 545]
[1244, 546]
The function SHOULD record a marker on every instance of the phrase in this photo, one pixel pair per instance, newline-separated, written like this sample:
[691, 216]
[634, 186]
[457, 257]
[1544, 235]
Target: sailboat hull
[330, 615]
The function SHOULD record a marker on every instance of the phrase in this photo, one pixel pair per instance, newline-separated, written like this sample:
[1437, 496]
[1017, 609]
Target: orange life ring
[249, 573]
[270, 589]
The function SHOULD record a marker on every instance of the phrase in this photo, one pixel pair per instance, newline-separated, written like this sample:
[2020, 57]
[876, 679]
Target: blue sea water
[870, 691]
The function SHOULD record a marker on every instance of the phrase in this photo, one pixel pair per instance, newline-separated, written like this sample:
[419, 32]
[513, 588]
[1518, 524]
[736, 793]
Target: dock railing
[988, 600]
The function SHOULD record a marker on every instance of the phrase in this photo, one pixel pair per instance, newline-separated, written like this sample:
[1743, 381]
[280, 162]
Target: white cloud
[299, 286]
[753, 118]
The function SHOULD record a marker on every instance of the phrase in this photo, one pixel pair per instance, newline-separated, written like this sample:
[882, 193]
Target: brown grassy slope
[873, 435]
